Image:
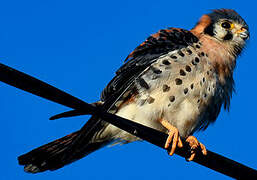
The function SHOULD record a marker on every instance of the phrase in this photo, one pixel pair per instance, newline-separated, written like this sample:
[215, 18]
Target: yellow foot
[195, 144]
[173, 137]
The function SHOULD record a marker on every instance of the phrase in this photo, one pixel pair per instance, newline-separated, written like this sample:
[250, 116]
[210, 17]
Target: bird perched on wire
[176, 82]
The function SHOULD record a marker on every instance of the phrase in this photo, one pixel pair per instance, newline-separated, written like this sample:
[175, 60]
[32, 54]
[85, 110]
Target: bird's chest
[178, 87]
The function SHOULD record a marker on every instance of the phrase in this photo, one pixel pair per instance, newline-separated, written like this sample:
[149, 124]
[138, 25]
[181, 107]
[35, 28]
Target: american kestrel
[176, 82]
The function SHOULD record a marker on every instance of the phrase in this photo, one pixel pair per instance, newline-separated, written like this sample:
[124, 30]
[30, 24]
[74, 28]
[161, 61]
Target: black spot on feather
[143, 83]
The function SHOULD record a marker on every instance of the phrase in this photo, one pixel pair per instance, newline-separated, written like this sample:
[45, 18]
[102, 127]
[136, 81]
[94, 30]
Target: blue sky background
[77, 46]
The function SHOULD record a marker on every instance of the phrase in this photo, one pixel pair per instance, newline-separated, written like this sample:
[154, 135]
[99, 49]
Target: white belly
[150, 114]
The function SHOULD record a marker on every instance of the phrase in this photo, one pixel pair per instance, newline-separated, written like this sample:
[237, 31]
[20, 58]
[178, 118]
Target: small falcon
[176, 82]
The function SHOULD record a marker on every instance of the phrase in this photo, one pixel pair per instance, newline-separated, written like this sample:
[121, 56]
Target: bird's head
[226, 26]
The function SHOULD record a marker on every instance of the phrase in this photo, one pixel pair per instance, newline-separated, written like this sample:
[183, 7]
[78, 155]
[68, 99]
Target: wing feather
[141, 58]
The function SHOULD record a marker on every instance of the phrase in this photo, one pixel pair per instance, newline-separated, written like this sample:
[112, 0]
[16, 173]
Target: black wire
[211, 160]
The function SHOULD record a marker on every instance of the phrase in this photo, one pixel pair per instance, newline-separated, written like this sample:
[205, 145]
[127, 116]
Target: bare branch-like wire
[211, 160]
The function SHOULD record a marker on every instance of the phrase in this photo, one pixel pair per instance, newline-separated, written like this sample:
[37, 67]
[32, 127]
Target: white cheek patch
[219, 32]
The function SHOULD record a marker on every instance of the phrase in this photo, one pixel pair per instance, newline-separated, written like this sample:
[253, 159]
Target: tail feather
[66, 114]
[75, 112]
[54, 155]
[67, 149]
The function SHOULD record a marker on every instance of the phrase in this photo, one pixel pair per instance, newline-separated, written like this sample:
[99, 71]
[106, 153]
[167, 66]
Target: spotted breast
[179, 85]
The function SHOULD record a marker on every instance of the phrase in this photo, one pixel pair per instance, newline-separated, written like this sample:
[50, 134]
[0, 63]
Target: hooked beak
[243, 33]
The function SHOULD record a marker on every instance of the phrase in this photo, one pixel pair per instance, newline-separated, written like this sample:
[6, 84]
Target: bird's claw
[194, 146]
[174, 138]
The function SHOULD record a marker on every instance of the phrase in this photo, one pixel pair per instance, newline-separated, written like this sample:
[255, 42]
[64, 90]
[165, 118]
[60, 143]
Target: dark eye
[226, 25]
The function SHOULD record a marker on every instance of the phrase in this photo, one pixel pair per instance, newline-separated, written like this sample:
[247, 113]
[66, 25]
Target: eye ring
[226, 25]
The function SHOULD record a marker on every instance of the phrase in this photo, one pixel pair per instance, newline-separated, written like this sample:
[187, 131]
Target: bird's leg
[195, 144]
[173, 136]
